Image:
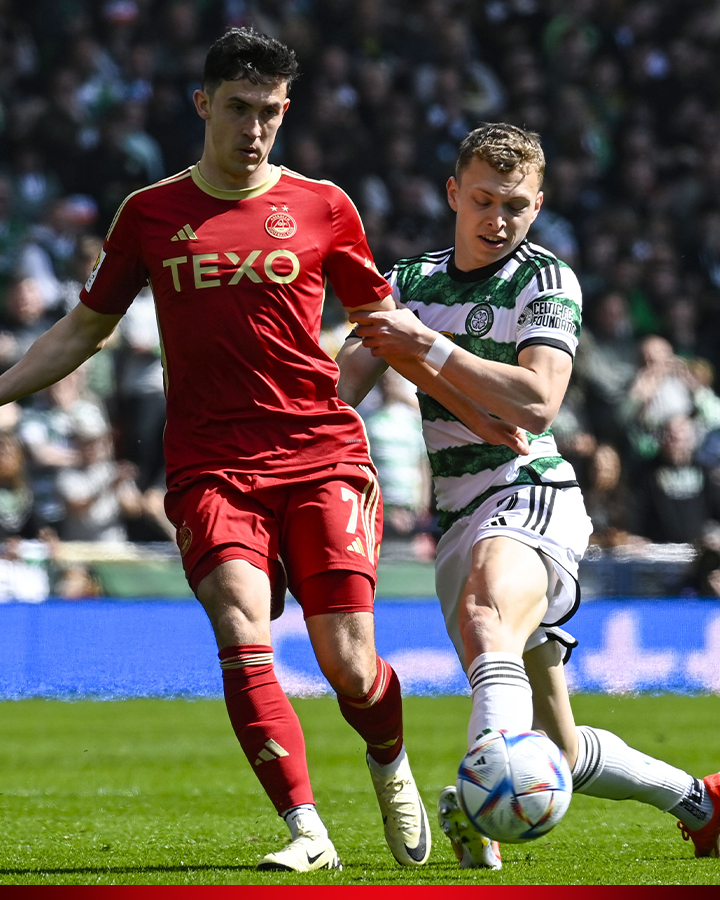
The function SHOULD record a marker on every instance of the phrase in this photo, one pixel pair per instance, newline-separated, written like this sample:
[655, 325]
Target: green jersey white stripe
[530, 298]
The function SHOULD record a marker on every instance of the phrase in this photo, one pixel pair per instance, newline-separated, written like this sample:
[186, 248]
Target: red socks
[266, 724]
[377, 717]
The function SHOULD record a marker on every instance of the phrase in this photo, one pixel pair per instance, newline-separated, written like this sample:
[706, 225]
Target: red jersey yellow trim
[244, 194]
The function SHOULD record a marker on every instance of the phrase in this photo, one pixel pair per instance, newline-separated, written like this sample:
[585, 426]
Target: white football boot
[309, 851]
[473, 850]
[407, 830]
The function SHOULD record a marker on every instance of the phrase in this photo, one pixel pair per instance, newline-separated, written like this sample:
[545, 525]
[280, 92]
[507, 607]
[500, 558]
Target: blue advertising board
[163, 648]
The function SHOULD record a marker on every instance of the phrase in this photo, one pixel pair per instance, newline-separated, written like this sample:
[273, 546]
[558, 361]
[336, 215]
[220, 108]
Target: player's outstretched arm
[529, 394]
[64, 347]
[360, 369]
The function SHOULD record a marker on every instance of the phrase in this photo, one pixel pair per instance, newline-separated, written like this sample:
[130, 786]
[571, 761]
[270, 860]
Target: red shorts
[319, 520]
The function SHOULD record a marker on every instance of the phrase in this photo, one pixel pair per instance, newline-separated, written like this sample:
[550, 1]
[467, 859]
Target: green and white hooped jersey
[530, 297]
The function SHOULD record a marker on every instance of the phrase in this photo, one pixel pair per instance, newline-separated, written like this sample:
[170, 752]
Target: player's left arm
[361, 289]
[529, 394]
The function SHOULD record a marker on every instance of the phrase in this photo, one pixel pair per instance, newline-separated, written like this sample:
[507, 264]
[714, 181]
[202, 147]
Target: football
[514, 787]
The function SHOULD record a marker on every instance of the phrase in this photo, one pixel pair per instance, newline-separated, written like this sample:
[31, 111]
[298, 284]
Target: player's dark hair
[246, 53]
[504, 147]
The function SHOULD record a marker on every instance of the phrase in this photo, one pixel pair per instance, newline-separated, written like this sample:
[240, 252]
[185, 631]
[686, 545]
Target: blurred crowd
[96, 101]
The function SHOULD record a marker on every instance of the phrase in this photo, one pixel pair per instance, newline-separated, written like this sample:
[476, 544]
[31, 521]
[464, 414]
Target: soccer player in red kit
[266, 467]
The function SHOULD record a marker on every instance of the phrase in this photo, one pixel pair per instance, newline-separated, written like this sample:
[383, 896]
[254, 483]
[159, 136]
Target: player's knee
[354, 685]
[351, 676]
[232, 626]
[235, 619]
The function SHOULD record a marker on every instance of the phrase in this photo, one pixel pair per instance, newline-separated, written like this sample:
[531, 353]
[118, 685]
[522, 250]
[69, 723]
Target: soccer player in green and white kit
[491, 326]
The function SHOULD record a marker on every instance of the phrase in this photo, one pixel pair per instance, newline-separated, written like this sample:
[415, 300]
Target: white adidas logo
[272, 750]
[185, 234]
[356, 547]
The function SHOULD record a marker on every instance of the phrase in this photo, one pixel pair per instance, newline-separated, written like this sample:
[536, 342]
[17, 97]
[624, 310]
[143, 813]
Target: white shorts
[552, 520]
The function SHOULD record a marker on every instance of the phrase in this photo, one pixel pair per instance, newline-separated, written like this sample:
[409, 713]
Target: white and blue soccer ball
[514, 787]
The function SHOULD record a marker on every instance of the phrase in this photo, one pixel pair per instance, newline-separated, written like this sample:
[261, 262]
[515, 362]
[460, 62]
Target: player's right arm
[475, 417]
[529, 393]
[64, 347]
[359, 370]
[117, 277]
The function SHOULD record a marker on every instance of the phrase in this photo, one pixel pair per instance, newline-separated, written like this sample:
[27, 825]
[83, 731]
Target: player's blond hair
[504, 147]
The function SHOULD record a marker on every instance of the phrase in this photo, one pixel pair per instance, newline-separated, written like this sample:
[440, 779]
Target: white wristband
[437, 355]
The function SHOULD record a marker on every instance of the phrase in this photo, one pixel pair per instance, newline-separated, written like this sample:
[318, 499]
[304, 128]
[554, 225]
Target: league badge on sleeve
[95, 270]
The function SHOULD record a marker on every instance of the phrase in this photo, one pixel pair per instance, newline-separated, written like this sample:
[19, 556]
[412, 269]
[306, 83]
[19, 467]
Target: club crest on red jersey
[280, 225]
[184, 539]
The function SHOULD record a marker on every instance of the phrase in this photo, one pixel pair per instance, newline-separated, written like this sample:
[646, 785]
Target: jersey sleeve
[119, 273]
[550, 309]
[392, 278]
[350, 266]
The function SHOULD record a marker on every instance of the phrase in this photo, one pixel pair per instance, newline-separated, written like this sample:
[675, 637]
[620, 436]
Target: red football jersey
[239, 282]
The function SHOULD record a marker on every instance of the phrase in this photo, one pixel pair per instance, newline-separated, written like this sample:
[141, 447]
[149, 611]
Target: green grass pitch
[158, 792]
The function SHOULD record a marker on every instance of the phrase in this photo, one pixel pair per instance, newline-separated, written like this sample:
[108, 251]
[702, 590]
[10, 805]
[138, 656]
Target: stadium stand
[96, 101]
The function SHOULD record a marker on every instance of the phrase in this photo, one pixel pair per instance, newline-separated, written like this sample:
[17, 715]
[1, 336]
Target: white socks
[501, 694]
[607, 767]
[390, 768]
[306, 819]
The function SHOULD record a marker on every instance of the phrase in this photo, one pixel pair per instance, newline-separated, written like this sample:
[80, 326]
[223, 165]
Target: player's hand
[393, 334]
[494, 431]
[501, 432]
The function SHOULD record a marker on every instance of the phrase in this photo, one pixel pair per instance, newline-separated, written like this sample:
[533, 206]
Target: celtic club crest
[479, 320]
